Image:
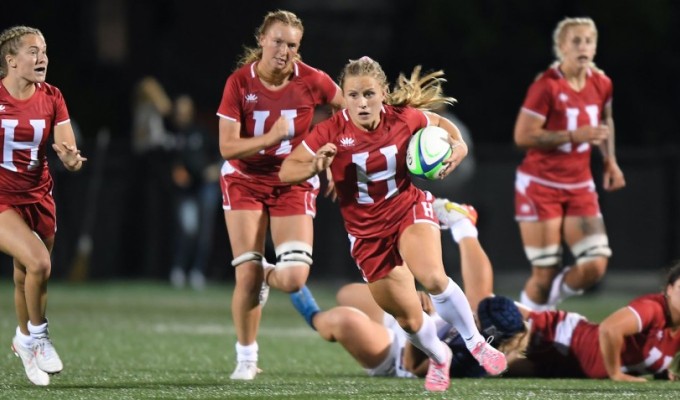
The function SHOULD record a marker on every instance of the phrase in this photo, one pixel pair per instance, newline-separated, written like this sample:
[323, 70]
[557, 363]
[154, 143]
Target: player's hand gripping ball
[426, 152]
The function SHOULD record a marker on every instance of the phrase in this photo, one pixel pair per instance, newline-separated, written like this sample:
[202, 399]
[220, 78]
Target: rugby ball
[426, 151]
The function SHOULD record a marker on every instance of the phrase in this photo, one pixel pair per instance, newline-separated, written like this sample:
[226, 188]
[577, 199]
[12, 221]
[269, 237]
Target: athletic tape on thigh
[548, 256]
[247, 256]
[293, 253]
[591, 247]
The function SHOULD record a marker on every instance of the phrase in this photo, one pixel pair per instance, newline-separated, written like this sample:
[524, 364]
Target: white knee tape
[590, 248]
[292, 254]
[548, 256]
[247, 256]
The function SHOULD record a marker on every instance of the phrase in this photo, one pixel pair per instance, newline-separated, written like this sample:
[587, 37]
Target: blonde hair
[419, 92]
[252, 54]
[515, 346]
[563, 26]
[10, 41]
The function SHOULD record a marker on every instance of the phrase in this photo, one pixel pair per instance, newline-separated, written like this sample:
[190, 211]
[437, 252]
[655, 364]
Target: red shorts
[242, 193]
[377, 257]
[40, 217]
[540, 201]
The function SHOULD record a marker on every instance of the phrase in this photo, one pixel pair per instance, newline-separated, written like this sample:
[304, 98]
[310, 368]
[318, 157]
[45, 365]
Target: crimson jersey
[248, 101]
[369, 170]
[25, 127]
[576, 342]
[551, 98]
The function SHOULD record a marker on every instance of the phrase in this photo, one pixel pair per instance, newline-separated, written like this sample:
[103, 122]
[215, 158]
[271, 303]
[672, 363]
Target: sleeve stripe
[308, 149]
[637, 316]
[226, 117]
[532, 112]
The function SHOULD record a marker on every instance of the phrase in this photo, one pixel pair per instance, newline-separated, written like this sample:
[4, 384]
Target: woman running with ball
[393, 229]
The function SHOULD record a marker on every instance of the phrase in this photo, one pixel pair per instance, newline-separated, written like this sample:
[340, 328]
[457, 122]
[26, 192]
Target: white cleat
[33, 372]
[449, 212]
[46, 356]
[245, 371]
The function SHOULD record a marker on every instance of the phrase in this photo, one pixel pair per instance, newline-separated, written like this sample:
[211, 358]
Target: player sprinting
[267, 106]
[392, 227]
[30, 111]
[567, 110]
[375, 339]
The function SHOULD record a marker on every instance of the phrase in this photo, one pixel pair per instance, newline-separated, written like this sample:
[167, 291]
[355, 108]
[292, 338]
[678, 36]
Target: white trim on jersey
[226, 117]
[532, 113]
[308, 149]
[637, 316]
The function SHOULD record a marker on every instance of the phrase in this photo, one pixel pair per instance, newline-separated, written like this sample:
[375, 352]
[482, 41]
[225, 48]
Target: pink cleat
[437, 379]
[492, 360]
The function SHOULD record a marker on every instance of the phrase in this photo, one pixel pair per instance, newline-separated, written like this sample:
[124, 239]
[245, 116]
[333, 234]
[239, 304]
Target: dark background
[490, 50]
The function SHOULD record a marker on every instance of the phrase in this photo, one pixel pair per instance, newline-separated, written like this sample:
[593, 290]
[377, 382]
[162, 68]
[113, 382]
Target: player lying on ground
[638, 340]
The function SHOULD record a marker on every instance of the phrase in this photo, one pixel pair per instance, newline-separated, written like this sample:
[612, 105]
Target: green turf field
[132, 340]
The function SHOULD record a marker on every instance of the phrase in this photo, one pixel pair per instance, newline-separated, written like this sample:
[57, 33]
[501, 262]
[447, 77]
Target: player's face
[31, 59]
[364, 98]
[279, 45]
[673, 295]
[579, 45]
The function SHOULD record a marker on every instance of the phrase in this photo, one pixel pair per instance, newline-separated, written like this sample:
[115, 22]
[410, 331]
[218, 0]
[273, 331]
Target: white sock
[246, 353]
[454, 307]
[426, 340]
[567, 291]
[463, 228]
[37, 331]
[439, 323]
[24, 340]
[524, 299]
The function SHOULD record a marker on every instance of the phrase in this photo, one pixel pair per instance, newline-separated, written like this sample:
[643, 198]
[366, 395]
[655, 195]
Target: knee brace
[590, 248]
[247, 256]
[292, 254]
[548, 256]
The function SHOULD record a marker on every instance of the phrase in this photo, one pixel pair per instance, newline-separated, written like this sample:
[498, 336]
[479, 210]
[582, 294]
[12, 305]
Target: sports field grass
[141, 340]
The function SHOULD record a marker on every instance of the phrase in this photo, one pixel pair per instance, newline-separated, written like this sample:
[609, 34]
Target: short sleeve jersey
[551, 98]
[25, 127]
[369, 170]
[246, 100]
[649, 351]
[652, 349]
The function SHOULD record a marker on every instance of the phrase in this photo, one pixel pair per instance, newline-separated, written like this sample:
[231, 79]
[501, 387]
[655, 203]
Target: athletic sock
[426, 340]
[524, 299]
[24, 340]
[247, 352]
[454, 307]
[462, 229]
[37, 331]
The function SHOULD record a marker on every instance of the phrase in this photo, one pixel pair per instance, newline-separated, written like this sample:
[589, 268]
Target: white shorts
[392, 365]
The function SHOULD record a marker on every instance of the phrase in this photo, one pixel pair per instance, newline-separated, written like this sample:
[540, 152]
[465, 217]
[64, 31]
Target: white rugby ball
[427, 150]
